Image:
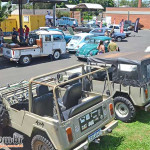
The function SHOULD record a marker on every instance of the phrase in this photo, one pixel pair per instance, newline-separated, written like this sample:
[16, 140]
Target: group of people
[112, 45]
[23, 34]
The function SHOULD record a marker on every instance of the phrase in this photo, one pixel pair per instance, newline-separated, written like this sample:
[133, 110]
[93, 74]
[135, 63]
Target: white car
[117, 29]
[78, 41]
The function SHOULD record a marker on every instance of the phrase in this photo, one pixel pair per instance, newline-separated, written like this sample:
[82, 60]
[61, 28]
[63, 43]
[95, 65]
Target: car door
[59, 42]
[47, 45]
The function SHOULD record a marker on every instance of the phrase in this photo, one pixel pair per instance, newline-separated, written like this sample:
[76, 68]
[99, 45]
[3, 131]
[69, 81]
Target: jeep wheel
[119, 39]
[56, 55]
[124, 109]
[25, 60]
[4, 117]
[41, 143]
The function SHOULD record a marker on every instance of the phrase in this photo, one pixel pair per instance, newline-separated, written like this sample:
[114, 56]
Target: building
[128, 13]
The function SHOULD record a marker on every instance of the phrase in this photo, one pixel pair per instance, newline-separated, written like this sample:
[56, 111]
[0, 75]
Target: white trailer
[49, 43]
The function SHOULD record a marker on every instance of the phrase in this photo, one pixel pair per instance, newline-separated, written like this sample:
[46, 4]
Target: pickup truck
[101, 32]
[50, 43]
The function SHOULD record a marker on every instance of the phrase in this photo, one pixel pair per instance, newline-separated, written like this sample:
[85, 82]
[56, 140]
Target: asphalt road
[11, 72]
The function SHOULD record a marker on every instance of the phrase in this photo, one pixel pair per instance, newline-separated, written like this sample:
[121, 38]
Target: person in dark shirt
[14, 36]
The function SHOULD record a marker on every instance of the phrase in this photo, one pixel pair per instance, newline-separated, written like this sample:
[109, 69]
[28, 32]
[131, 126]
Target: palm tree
[5, 11]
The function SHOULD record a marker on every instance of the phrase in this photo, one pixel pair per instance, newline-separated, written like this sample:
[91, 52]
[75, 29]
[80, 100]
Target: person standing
[26, 33]
[1, 36]
[101, 47]
[21, 37]
[112, 46]
[14, 36]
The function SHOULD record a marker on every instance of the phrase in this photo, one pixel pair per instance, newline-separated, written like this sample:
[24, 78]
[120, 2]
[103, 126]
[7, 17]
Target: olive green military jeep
[58, 113]
[129, 73]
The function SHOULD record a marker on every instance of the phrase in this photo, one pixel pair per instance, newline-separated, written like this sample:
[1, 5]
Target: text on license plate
[94, 135]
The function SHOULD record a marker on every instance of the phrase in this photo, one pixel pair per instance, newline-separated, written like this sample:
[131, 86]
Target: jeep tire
[41, 143]
[4, 117]
[124, 109]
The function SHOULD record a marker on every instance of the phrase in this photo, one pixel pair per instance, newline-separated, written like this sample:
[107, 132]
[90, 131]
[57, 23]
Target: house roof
[89, 6]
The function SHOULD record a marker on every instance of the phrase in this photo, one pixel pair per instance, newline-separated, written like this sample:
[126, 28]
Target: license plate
[82, 56]
[94, 135]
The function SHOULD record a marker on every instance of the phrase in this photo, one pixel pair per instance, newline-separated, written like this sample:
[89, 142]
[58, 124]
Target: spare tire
[4, 117]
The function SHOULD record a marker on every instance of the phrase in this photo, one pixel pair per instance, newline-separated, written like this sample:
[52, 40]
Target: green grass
[128, 136]
[8, 40]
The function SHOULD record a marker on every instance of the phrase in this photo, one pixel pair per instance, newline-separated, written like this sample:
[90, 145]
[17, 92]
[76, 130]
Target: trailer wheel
[25, 60]
[4, 117]
[41, 143]
[56, 55]
[124, 109]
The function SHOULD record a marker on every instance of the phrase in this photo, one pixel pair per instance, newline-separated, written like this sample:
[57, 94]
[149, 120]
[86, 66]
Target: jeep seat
[72, 95]
[43, 103]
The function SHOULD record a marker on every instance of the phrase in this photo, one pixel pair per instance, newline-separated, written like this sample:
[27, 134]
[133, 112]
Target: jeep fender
[123, 94]
[40, 131]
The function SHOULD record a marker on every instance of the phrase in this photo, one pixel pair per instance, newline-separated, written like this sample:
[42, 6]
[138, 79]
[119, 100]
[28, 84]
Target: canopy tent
[88, 6]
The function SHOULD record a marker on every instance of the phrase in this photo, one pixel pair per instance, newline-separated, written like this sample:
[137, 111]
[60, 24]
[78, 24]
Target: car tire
[119, 39]
[56, 55]
[31, 41]
[124, 109]
[25, 60]
[4, 117]
[40, 143]
[80, 59]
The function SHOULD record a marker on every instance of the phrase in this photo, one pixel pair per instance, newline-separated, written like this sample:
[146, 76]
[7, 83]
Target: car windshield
[127, 71]
[76, 38]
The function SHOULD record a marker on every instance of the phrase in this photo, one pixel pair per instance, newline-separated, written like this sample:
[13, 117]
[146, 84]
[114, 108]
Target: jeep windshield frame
[36, 80]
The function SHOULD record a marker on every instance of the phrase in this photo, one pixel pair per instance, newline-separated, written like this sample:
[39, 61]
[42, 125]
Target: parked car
[50, 43]
[101, 32]
[85, 28]
[33, 36]
[117, 29]
[90, 48]
[77, 41]
[67, 21]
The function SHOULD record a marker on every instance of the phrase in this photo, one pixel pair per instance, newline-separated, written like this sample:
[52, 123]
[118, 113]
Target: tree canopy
[5, 11]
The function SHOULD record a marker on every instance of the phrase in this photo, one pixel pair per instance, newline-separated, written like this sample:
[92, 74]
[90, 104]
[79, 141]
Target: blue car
[101, 32]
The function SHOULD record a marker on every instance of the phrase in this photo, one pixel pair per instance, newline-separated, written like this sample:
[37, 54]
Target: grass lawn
[128, 136]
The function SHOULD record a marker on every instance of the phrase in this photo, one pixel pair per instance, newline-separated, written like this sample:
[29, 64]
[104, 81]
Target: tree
[5, 11]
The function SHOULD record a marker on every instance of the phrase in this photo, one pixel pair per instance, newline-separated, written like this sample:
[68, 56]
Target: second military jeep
[58, 113]
[130, 79]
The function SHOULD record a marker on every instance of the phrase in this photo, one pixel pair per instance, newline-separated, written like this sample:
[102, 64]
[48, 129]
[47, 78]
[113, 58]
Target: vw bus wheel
[25, 60]
[41, 143]
[56, 55]
[124, 109]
